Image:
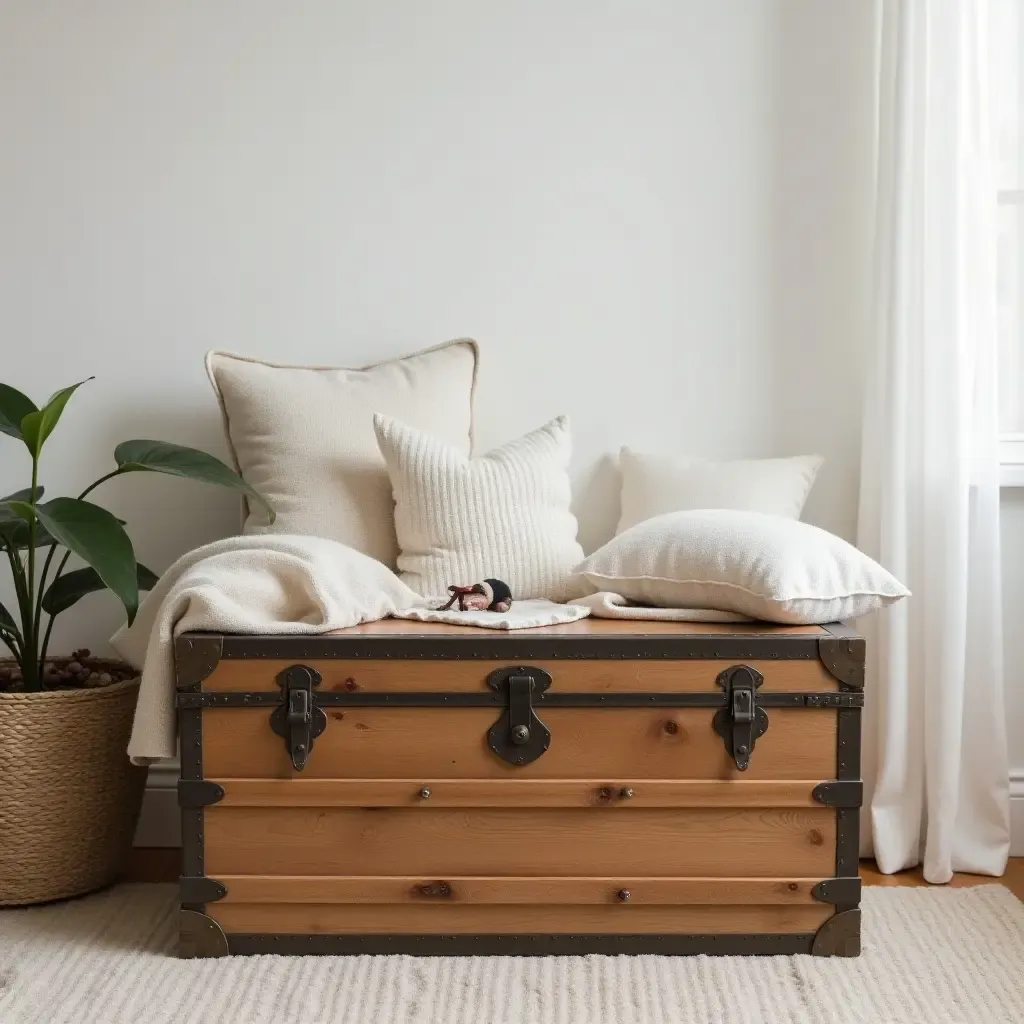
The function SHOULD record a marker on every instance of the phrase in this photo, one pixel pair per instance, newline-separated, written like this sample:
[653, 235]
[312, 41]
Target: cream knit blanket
[274, 584]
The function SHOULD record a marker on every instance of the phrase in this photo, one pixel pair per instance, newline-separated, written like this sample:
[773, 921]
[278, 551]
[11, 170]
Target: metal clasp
[741, 721]
[519, 736]
[298, 718]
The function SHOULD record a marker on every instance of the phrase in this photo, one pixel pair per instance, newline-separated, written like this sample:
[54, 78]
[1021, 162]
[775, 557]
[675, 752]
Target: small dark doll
[489, 596]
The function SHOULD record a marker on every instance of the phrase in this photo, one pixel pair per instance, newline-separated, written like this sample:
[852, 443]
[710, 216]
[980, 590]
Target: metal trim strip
[523, 945]
[425, 699]
[682, 647]
[848, 750]
[190, 733]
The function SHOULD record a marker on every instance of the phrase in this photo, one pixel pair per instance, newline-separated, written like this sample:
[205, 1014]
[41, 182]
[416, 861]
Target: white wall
[654, 215]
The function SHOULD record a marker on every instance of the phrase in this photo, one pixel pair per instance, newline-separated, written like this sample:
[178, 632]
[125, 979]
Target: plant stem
[60, 568]
[96, 483]
[49, 624]
[24, 607]
[32, 670]
[42, 588]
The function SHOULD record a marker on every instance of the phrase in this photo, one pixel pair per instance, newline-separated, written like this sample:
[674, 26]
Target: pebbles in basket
[71, 673]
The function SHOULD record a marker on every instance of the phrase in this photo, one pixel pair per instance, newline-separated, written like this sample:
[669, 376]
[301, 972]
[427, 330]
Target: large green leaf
[69, 588]
[17, 536]
[162, 457]
[13, 527]
[14, 407]
[38, 425]
[23, 495]
[97, 537]
[8, 514]
[22, 510]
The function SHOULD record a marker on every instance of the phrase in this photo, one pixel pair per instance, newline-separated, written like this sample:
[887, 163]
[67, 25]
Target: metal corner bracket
[193, 793]
[199, 936]
[844, 656]
[195, 657]
[839, 935]
[839, 793]
[197, 889]
[842, 892]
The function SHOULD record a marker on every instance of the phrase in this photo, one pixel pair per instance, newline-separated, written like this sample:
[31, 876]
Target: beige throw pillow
[504, 515]
[303, 436]
[767, 567]
[655, 484]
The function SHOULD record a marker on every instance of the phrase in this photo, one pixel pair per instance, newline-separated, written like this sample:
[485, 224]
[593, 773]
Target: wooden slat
[437, 743]
[519, 841]
[490, 890]
[318, 919]
[302, 792]
[470, 675]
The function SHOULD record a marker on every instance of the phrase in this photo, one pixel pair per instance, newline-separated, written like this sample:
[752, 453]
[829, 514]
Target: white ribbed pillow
[504, 515]
[653, 485]
[766, 567]
[303, 436]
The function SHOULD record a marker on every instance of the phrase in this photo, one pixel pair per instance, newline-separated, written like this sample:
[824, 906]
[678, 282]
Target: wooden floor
[160, 865]
[1013, 879]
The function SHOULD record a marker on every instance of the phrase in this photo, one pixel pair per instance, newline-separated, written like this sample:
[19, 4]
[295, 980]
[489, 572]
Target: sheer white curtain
[935, 759]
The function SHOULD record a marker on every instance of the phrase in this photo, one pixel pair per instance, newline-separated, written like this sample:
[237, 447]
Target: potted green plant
[69, 797]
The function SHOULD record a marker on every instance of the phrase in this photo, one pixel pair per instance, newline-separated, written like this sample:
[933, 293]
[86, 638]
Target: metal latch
[298, 719]
[519, 736]
[741, 721]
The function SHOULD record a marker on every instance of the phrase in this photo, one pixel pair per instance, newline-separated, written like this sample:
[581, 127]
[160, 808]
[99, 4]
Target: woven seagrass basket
[69, 797]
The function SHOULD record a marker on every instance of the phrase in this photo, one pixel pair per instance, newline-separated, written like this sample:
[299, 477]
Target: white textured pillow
[766, 567]
[504, 515]
[303, 436]
[655, 484]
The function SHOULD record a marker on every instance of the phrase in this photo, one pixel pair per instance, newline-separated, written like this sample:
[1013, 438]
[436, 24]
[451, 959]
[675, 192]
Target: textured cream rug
[932, 956]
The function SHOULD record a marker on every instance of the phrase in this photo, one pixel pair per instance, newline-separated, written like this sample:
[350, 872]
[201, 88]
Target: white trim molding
[1017, 813]
[159, 822]
[1011, 460]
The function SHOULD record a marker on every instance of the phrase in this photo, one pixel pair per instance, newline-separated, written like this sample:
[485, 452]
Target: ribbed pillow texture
[502, 515]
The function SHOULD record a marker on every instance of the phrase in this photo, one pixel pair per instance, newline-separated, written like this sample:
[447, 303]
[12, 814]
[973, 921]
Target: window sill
[1011, 460]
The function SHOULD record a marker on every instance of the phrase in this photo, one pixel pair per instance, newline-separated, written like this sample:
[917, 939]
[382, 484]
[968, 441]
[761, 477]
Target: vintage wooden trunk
[603, 786]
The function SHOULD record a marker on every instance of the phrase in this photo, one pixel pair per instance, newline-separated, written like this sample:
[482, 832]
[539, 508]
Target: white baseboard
[160, 820]
[160, 824]
[1017, 813]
